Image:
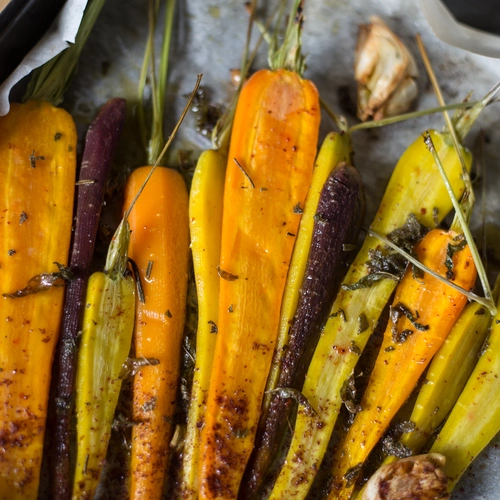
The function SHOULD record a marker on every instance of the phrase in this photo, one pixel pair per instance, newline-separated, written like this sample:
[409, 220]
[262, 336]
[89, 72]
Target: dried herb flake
[363, 323]
[34, 159]
[297, 396]
[133, 365]
[225, 275]
[149, 269]
[450, 252]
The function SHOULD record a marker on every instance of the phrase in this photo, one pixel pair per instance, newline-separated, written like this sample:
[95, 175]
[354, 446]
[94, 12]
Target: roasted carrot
[331, 223]
[342, 342]
[108, 325]
[271, 158]
[475, 418]
[37, 168]
[423, 312]
[100, 144]
[447, 375]
[159, 245]
[205, 223]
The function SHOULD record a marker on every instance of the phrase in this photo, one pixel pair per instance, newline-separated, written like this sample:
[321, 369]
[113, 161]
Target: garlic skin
[413, 478]
[385, 71]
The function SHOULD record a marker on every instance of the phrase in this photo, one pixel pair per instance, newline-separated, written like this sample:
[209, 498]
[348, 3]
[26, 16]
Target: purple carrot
[337, 223]
[100, 146]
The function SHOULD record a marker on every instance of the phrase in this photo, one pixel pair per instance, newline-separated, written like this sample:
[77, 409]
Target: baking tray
[209, 39]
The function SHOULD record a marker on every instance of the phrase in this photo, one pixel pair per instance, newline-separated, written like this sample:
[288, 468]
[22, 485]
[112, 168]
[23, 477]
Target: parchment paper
[61, 33]
[209, 39]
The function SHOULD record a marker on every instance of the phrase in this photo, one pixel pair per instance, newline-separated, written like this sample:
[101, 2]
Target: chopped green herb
[319, 218]
[149, 269]
[351, 475]
[244, 172]
[363, 323]
[348, 247]
[354, 348]
[133, 365]
[400, 308]
[34, 159]
[450, 252]
[348, 395]
[341, 313]
[369, 280]
[297, 396]
[150, 405]
[240, 433]
[484, 348]
[435, 215]
[225, 275]
[213, 326]
[138, 281]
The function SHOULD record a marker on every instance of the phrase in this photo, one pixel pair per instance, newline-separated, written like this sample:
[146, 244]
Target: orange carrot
[271, 157]
[422, 314]
[159, 245]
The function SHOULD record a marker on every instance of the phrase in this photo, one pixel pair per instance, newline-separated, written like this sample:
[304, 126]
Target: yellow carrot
[37, 172]
[205, 222]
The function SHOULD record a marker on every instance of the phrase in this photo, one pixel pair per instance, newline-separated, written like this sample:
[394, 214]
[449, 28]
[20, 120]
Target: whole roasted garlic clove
[385, 71]
[412, 478]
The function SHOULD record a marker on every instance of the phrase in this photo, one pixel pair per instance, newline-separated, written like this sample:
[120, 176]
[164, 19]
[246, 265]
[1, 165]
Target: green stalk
[159, 92]
[50, 81]
[469, 199]
[408, 116]
[289, 55]
[462, 218]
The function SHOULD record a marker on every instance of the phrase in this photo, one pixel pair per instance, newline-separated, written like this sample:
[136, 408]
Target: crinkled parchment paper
[62, 32]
